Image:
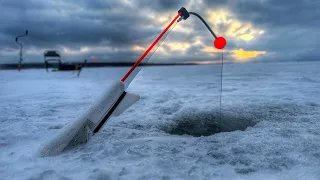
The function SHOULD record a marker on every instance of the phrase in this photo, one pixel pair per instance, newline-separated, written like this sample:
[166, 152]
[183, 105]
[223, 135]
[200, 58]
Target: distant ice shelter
[52, 59]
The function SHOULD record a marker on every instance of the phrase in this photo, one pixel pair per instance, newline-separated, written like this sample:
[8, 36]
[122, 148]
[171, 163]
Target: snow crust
[283, 100]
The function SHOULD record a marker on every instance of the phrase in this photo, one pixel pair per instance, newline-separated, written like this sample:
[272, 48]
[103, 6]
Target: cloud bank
[116, 31]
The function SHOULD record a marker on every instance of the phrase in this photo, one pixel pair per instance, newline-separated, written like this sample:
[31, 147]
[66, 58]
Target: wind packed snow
[270, 123]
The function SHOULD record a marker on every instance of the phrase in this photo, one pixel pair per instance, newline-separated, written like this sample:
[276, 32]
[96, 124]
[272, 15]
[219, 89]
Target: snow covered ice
[270, 123]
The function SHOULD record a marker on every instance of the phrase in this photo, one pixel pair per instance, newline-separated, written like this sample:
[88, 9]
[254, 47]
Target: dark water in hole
[206, 123]
[196, 122]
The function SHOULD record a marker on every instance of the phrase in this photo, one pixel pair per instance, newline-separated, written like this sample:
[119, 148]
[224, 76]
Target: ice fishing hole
[205, 123]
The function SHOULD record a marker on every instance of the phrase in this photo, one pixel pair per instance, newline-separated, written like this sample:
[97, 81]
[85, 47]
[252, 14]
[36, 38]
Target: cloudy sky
[121, 30]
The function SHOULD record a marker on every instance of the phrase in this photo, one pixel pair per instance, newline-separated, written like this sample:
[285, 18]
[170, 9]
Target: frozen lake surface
[171, 132]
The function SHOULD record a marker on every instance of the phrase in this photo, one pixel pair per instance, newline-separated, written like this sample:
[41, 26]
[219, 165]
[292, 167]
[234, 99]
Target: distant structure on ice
[52, 59]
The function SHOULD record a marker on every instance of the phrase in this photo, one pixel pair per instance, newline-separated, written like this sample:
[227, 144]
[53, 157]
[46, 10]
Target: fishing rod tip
[184, 14]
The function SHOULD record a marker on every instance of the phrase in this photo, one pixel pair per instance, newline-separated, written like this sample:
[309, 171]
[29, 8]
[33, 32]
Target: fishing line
[221, 91]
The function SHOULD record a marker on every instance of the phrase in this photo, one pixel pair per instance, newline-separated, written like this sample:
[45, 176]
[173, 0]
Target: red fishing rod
[183, 14]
